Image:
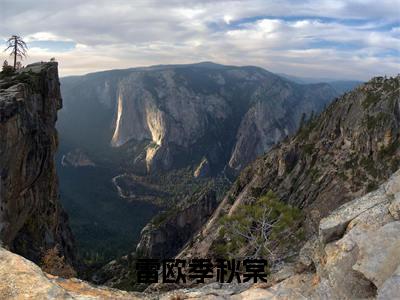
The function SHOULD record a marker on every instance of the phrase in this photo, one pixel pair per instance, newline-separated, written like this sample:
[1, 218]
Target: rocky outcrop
[338, 156]
[76, 158]
[31, 218]
[364, 256]
[22, 279]
[203, 169]
[361, 262]
[167, 234]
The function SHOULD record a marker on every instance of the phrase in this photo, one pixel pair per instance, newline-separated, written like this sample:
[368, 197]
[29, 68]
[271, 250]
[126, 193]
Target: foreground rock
[22, 279]
[362, 263]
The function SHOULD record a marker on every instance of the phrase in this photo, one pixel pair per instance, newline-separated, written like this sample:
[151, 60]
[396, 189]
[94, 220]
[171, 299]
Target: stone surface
[21, 279]
[363, 263]
[336, 223]
[394, 208]
[391, 287]
[163, 237]
[379, 253]
[203, 170]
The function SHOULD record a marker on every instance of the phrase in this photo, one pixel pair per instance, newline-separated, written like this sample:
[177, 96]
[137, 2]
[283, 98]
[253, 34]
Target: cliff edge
[31, 218]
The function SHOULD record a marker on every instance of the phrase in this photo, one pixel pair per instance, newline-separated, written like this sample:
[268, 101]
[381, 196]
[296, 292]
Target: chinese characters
[198, 270]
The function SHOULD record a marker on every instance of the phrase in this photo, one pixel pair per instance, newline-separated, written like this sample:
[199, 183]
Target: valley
[216, 150]
[144, 140]
[324, 191]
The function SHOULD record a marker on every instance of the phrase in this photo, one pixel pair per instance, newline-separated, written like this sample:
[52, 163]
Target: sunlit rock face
[185, 113]
[163, 113]
[31, 217]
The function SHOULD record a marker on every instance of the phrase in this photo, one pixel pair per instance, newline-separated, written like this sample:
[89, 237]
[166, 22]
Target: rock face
[166, 235]
[362, 262]
[22, 279]
[268, 122]
[182, 114]
[31, 218]
[340, 155]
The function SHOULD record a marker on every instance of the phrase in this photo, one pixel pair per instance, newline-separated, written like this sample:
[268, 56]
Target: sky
[331, 39]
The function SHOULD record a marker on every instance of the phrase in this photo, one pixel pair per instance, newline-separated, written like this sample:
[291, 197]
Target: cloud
[340, 39]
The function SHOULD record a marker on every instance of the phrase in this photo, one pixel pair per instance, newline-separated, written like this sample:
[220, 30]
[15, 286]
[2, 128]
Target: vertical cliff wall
[31, 218]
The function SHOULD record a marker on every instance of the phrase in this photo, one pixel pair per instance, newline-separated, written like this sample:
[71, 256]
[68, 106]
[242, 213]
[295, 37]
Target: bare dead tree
[18, 48]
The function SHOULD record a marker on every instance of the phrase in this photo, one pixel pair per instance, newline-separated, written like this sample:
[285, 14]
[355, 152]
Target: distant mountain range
[341, 85]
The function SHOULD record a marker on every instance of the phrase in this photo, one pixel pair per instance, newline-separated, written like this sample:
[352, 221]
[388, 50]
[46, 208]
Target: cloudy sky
[330, 39]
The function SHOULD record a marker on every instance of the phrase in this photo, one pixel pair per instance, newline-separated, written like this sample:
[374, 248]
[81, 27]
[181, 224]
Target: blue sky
[330, 39]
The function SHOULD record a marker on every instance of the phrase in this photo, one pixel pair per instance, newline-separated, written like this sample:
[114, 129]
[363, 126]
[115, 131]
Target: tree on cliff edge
[18, 47]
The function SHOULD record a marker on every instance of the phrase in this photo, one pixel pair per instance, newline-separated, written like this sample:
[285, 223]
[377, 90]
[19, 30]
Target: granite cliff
[173, 116]
[32, 220]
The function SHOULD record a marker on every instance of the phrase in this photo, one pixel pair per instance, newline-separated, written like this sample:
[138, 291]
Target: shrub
[55, 264]
[260, 227]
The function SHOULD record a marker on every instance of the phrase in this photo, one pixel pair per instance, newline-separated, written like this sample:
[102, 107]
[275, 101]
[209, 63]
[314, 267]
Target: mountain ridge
[345, 152]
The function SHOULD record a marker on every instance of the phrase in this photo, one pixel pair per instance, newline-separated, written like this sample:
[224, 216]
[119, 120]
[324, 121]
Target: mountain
[173, 116]
[340, 86]
[32, 221]
[162, 134]
[347, 151]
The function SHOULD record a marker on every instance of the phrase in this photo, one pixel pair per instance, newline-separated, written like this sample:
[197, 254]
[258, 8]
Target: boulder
[394, 207]
[379, 253]
[333, 226]
[21, 279]
[391, 287]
